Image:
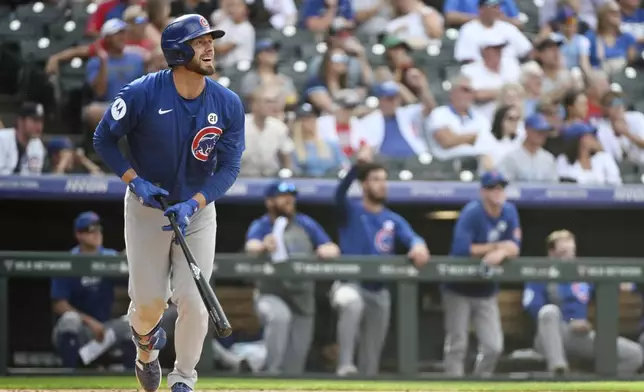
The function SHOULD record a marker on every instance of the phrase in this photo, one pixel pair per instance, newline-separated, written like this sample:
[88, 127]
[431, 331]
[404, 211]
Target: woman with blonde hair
[314, 156]
[610, 48]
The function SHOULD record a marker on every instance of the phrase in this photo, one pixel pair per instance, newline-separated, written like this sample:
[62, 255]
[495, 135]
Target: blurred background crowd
[543, 90]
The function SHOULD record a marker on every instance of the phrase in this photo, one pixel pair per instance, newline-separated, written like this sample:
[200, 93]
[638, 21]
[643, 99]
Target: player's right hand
[269, 243]
[147, 192]
[97, 329]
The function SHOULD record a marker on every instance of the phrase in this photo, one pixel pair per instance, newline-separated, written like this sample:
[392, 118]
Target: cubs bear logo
[204, 142]
[384, 238]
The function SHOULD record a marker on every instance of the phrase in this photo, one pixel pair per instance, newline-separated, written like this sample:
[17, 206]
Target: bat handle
[162, 201]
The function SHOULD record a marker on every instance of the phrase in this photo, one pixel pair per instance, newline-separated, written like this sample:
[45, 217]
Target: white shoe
[347, 370]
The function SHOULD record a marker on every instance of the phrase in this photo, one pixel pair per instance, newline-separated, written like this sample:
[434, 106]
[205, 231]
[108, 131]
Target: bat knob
[224, 332]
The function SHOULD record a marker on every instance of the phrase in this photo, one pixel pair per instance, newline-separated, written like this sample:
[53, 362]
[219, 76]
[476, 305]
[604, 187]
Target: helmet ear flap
[187, 53]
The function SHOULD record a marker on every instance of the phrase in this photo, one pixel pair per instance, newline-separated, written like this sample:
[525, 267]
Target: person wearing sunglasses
[83, 305]
[368, 228]
[488, 228]
[286, 309]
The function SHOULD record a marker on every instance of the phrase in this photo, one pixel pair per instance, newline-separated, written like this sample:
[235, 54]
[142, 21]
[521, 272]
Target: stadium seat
[41, 49]
[67, 30]
[293, 41]
[39, 12]
[434, 170]
[16, 30]
[529, 12]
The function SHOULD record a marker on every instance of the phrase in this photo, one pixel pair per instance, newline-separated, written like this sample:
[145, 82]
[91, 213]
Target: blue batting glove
[182, 213]
[147, 192]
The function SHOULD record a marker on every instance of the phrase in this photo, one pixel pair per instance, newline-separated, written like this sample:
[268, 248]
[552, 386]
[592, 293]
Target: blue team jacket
[573, 298]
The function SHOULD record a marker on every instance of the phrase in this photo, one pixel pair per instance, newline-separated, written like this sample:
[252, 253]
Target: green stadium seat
[39, 12]
[68, 30]
[41, 49]
[16, 30]
[292, 44]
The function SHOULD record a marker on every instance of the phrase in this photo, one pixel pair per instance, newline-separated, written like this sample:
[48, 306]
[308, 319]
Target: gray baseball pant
[287, 335]
[151, 252]
[555, 340]
[362, 314]
[71, 322]
[484, 314]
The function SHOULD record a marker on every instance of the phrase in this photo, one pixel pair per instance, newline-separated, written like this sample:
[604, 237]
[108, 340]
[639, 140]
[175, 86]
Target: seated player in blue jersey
[286, 308]
[83, 305]
[560, 310]
[368, 227]
[488, 228]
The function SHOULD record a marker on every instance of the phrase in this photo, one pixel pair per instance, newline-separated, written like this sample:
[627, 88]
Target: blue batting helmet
[183, 29]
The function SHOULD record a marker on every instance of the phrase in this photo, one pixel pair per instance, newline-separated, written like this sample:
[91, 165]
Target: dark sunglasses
[92, 229]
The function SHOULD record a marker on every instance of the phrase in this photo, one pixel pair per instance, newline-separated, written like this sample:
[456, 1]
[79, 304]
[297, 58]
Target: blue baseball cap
[58, 144]
[266, 44]
[280, 188]
[492, 179]
[564, 13]
[537, 122]
[577, 130]
[386, 89]
[85, 220]
[112, 26]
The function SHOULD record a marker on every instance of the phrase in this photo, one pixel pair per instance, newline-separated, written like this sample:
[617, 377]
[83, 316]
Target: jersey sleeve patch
[119, 108]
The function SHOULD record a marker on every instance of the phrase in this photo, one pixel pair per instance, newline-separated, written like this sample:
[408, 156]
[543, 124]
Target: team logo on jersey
[212, 118]
[119, 108]
[384, 239]
[581, 290]
[204, 142]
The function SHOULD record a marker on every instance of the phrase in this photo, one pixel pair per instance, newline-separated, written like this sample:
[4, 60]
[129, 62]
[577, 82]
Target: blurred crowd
[528, 88]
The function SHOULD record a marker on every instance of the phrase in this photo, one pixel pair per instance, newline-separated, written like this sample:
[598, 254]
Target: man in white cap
[490, 73]
[110, 70]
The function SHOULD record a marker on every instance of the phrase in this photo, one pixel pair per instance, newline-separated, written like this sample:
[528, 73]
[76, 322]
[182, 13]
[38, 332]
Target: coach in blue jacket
[488, 228]
[561, 313]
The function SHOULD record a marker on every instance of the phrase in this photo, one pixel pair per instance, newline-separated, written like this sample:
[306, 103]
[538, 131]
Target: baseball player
[368, 227]
[286, 308]
[83, 305]
[560, 310]
[186, 137]
[488, 228]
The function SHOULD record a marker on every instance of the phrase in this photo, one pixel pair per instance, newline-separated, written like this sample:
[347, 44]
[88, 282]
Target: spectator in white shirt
[416, 23]
[21, 150]
[583, 160]
[454, 130]
[621, 132]
[529, 161]
[490, 74]
[239, 42]
[489, 25]
[342, 127]
[393, 131]
[505, 129]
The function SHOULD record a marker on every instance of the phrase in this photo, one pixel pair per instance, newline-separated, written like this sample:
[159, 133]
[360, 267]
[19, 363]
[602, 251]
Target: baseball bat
[216, 312]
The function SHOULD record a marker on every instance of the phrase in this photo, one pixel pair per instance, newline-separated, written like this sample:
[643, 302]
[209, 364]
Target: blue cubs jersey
[476, 226]
[571, 298]
[263, 226]
[363, 232]
[184, 145]
[91, 295]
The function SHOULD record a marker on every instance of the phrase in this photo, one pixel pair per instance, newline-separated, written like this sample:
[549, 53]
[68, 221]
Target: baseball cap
[32, 109]
[489, 3]
[280, 188]
[112, 27]
[537, 122]
[564, 13]
[493, 178]
[266, 44]
[551, 40]
[492, 41]
[85, 220]
[577, 130]
[386, 89]
[391, 41]
[59, 143]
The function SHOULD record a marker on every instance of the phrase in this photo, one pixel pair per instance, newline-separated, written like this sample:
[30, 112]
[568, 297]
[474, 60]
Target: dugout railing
[605, 273]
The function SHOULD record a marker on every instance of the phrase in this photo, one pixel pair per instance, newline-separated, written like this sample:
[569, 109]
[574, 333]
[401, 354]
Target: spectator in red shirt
[109, 9]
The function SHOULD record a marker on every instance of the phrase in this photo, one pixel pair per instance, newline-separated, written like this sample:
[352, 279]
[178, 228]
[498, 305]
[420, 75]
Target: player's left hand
[419, 255]
[182, 213]
[494, 257]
